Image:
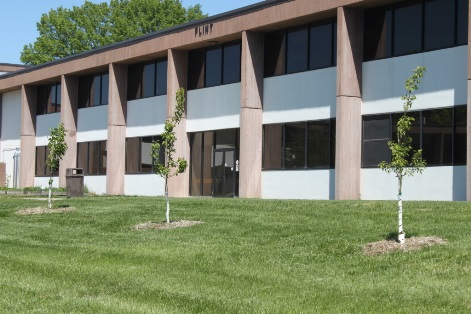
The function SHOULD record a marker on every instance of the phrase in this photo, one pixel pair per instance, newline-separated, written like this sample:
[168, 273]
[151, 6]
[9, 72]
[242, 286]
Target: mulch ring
[166, 226]
[411, 244]
[42, 210]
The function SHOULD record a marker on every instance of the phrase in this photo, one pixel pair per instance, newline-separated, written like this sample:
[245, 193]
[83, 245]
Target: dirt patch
[412, 244]
[166, 226]
[42, 210]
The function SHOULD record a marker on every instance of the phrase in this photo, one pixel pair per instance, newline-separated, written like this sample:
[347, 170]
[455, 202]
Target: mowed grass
[249, 256]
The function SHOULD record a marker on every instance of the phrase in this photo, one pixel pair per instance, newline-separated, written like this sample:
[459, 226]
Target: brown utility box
[3, 174]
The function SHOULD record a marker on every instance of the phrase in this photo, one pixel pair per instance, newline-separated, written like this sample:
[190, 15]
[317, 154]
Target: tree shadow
[393, 235]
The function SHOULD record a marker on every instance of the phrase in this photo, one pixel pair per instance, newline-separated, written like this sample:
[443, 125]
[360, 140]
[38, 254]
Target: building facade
[284, 99]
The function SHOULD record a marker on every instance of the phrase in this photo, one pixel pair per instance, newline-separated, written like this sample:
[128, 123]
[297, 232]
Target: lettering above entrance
[203, 30]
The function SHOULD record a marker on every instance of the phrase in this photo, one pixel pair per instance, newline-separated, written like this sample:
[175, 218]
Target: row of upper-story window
[393, 30]
[414, 26]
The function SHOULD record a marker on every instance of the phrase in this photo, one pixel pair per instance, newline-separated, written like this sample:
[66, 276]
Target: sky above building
[19, 17]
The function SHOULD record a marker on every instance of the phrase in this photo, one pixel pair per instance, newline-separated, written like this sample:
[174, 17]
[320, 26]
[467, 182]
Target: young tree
[57, 148]
[64, 32]
[405, 160]
[170, 167]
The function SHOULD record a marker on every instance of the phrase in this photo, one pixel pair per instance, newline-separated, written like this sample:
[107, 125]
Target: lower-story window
[138, 154]
[42, 169]
[91, 156]
[300, 145]
[440, 133]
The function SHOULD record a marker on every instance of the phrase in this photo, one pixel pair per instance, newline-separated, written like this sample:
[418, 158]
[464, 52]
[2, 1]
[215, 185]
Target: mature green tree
[57, 148]
[405, 160]
[64, 32]
[171, 166]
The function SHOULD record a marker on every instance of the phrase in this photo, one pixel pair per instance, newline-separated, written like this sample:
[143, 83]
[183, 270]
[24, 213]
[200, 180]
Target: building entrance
[225, 173]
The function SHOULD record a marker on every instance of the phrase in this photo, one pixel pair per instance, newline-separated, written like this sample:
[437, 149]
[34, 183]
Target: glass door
[224, 173]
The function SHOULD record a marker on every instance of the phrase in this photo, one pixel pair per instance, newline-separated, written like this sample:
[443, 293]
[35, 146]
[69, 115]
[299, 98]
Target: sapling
[170, 167]
[57, 148]
[405, 160]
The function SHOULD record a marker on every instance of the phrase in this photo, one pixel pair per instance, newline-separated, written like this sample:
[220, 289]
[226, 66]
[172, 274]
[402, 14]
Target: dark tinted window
[213, 66]
[196, 68]
[96, 91]
[104, 89]
[437, 130]
[408, 29]
[318, 144]
[231, 67]
[378, 33]
[439, 24]
[161, 81]
[148, 80]
[297, 50]
[40, 161]
[82, 156]
[462, 22]
[376, 134]
[320, 46]
[132, 155]
[295, 144]
[146, 158]
[459, 152]
[274, 53]
[134, 81]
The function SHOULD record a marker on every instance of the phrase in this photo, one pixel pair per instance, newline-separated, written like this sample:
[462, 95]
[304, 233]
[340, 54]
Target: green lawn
[249, 256]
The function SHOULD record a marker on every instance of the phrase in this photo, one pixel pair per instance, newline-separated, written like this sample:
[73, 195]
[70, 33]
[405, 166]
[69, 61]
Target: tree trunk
[401, 234]
[49, 200]
[168, 202]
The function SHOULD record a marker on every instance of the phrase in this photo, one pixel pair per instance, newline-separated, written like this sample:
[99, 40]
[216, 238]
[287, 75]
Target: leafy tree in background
[64, 32]
[405, 160]
[170, 167]
[57, 148]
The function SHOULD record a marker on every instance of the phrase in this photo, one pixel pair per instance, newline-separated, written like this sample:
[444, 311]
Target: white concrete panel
[43, 125]
[302, 96]
[444, 84]
[435, 183]
[11, 116]
[144, 184]
[95, 184]
[44, 182]
[92, 124]
[213, 108]
[146, 116]
[298, 184]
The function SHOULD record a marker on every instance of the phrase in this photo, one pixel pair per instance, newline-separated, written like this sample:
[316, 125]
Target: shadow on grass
[393, 235]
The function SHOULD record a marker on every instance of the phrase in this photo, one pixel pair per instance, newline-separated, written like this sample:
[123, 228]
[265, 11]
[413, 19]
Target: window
[138, 154]
[214, 66]
[42, 169]
[297, 43]
[93, 90]
[415, 26]
[303, 48]
[323, 45]
[440, 133]
[91, 157]
[147, 79]
[49, 99]
[407, 29]
[299, 145]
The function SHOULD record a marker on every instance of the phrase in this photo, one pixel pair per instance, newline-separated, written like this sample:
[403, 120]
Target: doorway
[225, 172]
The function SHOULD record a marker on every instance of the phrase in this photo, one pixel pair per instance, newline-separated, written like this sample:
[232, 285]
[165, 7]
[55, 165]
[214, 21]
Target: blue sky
[19, 17]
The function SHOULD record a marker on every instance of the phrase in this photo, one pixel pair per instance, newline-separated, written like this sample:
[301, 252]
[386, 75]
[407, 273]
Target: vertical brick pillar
[69, 102]
[250, 155]
[179, 186]
[28, 135]
[349, 76]
[116, 145]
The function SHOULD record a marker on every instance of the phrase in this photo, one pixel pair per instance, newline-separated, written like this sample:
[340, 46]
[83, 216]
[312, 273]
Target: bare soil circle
[166, 226]
[42, 210]
[411, 244]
